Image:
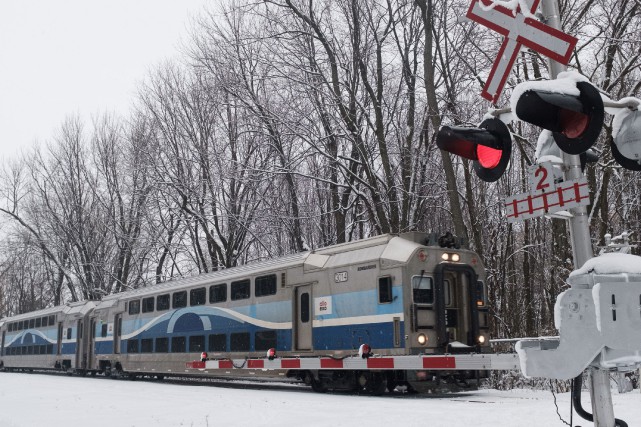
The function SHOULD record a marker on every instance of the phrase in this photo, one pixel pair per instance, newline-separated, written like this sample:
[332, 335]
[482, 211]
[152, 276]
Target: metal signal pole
[600, 393]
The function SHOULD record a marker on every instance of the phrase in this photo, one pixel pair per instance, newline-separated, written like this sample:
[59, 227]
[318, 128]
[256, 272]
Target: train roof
[391, 249]
[80, 308]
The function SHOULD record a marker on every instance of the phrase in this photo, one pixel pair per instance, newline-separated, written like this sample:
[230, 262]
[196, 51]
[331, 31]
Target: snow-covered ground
[28, 400]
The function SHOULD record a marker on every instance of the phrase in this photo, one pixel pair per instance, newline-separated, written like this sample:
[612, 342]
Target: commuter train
[401, 295]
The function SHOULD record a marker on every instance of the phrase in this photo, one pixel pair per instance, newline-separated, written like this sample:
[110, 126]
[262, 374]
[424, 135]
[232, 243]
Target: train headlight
[481, 339]
[450, 257]
[422, 339]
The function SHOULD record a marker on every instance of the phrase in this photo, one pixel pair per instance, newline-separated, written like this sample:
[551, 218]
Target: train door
[457, 313]
[80, 351]
[117, 332]
[303, 318]
[91, 342]
[60, 328]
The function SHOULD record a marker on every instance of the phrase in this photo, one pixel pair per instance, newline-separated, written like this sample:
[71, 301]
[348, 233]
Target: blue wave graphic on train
[277, 317]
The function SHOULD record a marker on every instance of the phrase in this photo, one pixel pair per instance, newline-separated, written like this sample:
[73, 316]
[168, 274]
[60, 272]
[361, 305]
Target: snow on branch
[513, 5]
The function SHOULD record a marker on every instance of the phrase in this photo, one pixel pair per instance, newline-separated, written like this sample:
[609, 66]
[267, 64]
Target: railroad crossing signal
[626, 145]
[518, 30]
[546, 196]
[489, 146]
[572, 111]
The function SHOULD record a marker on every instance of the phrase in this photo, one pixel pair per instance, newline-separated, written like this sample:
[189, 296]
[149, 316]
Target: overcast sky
[60, 58]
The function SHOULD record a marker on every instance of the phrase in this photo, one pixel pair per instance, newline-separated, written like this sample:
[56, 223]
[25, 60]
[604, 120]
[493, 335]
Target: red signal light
[488, 157]
[573, 123]
[489, 146]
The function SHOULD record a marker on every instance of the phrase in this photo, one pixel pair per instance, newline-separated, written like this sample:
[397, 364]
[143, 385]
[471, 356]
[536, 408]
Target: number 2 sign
[541, 177]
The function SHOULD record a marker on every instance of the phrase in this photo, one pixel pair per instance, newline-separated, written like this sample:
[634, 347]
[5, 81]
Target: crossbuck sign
[518, 30]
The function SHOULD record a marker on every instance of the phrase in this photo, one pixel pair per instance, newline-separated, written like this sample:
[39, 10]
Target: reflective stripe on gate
[448, 362]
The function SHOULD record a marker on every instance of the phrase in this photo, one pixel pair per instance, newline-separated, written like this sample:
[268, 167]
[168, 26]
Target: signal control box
[599, 322]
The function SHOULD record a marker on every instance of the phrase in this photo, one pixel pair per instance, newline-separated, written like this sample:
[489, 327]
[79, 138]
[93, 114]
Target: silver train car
[399, 294]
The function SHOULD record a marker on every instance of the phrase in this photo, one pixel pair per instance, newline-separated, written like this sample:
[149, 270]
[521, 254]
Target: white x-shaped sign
[518, 30]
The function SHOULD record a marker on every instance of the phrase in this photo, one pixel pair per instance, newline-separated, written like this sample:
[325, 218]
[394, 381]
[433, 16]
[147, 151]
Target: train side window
[197, 344]
[133, 346]
[148, 305]
[239, 341]
[385, 290]
[218, 293]
[45, 321]
[134, 306]
[179, 299]
[146, 345]
[178, 344]
[198, 296]
[52, 320]
[265, 285]
[32, 323]
[217, 342]
[423, 290]
[162, 302]
[240, 290]
[481, 300]
[38, 322]
[162, 345]
[264, 340]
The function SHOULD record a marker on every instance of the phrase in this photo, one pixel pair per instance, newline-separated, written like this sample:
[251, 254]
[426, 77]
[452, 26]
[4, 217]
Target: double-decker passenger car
[399, 294]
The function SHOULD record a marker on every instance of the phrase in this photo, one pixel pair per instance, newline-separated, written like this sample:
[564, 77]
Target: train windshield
[423, 290]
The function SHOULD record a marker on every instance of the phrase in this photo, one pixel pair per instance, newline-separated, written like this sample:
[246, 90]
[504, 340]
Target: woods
[290, 125]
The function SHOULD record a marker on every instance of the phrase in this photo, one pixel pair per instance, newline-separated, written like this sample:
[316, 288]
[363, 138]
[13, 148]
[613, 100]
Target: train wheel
[372, 383]
[318, 385]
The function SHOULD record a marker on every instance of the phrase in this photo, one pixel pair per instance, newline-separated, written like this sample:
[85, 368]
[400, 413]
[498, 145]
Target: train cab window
[146, 345]
[197, 344]
[218, 293]
[217, 342]
[447, 292]
[148, 305]
[162, 345]
[240, 290]
[38, 322]
[103, 331]
[179, 299]
[239, 341]
[385, 290]
[134, 306]
[265, 285]
[68, 333]
[423, 290]
[178, 344]
[198, 296]
[162, 302]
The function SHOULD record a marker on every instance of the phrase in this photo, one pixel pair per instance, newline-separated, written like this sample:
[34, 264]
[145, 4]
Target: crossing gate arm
[440, 362]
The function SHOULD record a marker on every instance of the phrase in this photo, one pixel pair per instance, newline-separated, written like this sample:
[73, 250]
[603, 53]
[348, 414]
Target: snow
[512, 5]
[622, 113]
[612, 263]
[564, 83]
[59, 401]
